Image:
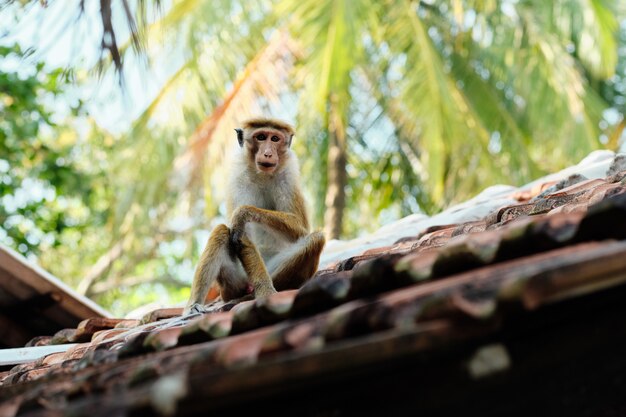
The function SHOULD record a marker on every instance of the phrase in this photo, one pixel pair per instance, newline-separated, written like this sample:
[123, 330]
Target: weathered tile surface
[451, 286]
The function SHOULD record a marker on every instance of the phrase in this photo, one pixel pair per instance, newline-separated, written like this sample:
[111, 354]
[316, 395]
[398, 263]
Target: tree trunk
[337, 178]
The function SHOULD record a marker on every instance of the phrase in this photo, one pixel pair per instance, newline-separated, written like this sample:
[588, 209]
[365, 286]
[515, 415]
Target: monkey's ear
[289, 141]
[239, 136]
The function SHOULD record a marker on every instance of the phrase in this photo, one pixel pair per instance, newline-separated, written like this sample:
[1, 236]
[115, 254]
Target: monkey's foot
[195, 308]
[264, 291]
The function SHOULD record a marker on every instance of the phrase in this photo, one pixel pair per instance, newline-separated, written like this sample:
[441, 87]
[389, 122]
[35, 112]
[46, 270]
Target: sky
[60, 40]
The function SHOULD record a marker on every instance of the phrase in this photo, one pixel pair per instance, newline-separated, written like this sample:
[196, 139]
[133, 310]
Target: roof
[33, 302]
[519, 312]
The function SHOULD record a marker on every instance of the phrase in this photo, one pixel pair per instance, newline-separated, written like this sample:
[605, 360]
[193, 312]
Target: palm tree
[401, 105]
[475, 91]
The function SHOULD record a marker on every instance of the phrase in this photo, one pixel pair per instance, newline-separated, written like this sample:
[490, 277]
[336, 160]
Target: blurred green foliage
[400, 106]
[57, 189]
[45, 191]
[427, 102]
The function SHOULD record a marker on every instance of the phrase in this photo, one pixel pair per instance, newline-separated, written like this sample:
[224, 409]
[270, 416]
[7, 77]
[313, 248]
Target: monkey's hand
[240, 218]
[234, 243]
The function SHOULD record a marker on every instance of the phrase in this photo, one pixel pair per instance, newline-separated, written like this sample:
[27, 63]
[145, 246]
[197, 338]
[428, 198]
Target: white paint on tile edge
[594, 165]
[28, 354]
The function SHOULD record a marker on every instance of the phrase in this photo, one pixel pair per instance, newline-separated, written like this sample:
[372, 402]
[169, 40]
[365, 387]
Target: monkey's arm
[288, 224]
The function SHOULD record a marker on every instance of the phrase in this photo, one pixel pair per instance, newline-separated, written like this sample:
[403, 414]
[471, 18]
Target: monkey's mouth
[266, 164]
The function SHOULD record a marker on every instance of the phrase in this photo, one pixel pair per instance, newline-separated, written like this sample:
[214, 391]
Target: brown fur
[302, 266]
[268, 123]
[291, 225]
[218, 239]
[231, 245]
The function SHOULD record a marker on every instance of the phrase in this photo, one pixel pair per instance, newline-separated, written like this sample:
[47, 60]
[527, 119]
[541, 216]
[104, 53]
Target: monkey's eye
[275, 139]
[261, 136]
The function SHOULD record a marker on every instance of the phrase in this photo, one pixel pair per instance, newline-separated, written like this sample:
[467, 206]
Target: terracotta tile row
[437, 311]
[449, 283]
[378, 271]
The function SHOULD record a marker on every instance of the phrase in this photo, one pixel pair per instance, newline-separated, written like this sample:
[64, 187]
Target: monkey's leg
[297, 264]
[254, 266]
[216, 264]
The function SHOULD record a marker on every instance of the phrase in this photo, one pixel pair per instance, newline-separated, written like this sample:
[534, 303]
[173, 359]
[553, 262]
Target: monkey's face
[268, 147]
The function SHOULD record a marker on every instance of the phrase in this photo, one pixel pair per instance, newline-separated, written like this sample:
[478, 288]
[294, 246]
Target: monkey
[267, 246]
